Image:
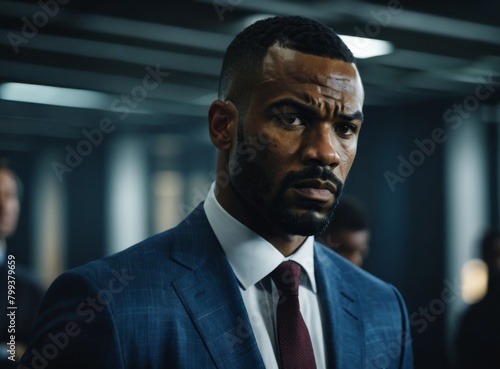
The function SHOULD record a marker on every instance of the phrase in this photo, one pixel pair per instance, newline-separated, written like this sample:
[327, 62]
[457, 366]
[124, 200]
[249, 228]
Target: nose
[319, 147]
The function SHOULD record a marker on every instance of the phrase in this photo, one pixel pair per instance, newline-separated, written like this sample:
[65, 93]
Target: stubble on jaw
[254, 190]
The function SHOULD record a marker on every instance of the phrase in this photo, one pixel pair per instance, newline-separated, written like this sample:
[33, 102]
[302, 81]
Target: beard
[310, 222]
[253, 187]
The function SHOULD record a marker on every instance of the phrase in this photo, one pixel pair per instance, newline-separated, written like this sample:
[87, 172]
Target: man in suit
[204, 294]
[28, 293]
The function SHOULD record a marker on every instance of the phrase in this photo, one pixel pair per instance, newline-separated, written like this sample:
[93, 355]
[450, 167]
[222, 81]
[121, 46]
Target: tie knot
[286, 277]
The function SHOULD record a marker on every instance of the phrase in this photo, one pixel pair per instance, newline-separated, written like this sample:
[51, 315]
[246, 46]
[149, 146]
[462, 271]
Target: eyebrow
[358, 115]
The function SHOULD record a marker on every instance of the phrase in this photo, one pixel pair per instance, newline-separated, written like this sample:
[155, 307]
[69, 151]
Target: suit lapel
[211, 296]
[345, 334]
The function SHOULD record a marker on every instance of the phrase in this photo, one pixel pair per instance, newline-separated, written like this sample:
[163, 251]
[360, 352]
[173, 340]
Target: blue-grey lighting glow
[50, 95]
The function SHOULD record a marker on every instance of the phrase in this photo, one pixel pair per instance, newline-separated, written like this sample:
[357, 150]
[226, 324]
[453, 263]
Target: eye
[346, 129]
[289, 119]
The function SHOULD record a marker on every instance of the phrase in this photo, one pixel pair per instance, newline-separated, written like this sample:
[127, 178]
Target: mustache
[312, 173]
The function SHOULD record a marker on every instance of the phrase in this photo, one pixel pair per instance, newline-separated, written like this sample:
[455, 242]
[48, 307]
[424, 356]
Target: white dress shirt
[252, 258]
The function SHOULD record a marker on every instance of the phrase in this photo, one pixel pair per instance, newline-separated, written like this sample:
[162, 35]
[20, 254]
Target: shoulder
[155, 258]
[366, 285]
[144, 260]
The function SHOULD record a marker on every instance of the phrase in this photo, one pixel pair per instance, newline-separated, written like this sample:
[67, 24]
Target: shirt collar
[252, 257]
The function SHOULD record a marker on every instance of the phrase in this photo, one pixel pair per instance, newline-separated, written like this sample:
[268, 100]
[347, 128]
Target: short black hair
[4, 165]
[246, 53]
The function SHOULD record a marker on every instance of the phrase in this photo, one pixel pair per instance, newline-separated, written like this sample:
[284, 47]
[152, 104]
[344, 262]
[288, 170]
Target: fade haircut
[244, 57]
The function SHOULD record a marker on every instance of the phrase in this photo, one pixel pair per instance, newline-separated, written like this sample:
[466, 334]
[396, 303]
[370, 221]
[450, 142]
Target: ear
[222, 123]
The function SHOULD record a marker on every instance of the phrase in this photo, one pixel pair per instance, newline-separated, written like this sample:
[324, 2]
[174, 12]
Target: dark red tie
[293, 337]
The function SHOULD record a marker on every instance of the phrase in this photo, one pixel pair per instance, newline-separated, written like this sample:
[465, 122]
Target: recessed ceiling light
[363, 48]
[50, 95]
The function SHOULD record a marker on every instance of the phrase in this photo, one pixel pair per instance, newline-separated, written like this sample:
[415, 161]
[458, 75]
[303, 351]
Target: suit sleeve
[406, 358]
[74, 329]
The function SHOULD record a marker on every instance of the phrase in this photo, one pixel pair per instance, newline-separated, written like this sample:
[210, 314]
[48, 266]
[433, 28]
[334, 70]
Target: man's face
[352, 245]
[9, 204]
[298, 140]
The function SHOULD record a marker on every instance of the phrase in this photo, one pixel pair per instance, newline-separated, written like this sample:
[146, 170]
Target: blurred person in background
[478, 339]
[349, 232]
[27, 291]
[241, 283]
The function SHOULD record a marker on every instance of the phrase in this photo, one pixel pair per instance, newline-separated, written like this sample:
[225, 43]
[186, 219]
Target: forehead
[289, 70]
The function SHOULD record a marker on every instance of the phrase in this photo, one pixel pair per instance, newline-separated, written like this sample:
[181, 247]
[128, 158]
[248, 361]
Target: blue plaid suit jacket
[172, 301]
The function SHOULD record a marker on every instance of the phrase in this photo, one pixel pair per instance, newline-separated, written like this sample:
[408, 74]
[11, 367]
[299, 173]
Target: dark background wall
[407, 245]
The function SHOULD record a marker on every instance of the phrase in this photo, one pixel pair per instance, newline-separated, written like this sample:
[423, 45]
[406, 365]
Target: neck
[246, 214]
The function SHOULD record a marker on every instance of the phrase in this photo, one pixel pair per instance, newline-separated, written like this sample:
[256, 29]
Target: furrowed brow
[312, 111]
[302, 108]
[350, 117]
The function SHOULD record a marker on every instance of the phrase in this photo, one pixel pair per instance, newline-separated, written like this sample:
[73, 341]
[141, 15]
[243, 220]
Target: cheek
[281, 149]
[269, 161]
[283, 142]
[276, 159]
[347, 155]
[13, 207]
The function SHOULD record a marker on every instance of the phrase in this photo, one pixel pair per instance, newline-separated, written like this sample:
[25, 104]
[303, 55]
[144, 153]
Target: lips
[316, 189]
[317, 184]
